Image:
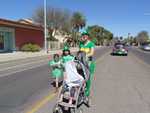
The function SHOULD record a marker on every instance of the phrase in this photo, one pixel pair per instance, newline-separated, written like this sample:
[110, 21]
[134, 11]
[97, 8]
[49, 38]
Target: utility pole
[129, 35]
[129, 40]
[45, 27]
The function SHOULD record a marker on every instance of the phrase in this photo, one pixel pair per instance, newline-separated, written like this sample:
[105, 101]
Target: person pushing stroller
[72, 92]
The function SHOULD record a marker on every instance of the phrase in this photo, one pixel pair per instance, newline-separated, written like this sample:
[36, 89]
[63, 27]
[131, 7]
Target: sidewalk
[4, 57]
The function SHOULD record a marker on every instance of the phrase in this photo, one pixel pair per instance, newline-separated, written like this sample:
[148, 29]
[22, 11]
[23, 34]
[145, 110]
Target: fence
[54, 45]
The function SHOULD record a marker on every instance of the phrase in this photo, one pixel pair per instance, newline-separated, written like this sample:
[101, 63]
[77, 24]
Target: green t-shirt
[67, 58]
[86, 47]
[56, 72]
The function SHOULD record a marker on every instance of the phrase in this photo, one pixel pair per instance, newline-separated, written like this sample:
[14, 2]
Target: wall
[23, 36]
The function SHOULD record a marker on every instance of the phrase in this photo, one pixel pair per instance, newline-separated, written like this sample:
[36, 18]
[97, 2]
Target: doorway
[7, 39]
[2, 41]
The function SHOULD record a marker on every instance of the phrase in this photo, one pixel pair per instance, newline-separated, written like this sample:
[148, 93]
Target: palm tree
[78, 22]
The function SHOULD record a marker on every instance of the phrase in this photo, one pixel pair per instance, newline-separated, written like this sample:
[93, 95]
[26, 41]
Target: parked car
[145, 47]
[119, 49]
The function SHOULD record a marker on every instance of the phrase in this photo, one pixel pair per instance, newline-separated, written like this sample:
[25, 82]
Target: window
[1, 41]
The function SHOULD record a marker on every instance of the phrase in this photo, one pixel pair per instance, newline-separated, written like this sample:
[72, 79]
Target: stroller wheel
[57, 109]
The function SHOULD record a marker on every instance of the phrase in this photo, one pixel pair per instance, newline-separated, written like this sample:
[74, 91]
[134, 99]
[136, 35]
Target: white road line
[32, 67]
[20, 65]
[13, 61]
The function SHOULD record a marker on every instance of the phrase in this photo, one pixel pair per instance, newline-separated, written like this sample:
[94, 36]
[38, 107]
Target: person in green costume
[87, 46]
[66, 55]
[56, 69]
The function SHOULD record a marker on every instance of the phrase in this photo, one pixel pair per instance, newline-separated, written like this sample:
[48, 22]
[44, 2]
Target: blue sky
[119, 16]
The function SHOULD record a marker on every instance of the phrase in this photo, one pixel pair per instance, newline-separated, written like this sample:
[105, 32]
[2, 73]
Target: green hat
[85, 33]
[66, 48]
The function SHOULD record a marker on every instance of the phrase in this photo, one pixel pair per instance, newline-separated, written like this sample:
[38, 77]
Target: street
[144, 55]
[121, 85]
[49, 48]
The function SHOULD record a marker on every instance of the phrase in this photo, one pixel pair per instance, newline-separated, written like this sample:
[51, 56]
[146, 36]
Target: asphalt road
[121, 85]
[143, 55]
[23, 83]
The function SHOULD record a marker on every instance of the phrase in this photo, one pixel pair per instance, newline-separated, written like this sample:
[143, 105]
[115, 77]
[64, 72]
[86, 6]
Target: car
[145, 47]
[120, 49]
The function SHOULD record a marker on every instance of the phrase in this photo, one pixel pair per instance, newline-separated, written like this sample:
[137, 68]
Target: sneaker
[87, 102]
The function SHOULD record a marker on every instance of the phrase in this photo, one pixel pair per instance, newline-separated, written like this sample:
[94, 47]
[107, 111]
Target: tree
[60, 20]
[107, 36]
[78, 22]
[100, 34]
[57, 19]
[130, 40]
[142, 37]
[96, 33]
[38, 16]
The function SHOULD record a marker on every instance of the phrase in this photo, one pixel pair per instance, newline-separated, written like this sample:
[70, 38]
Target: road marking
[4, 69]
[29, 59]
[31, 67]
[24, 64]
[48, 98]
[139, 60]
[42, 103]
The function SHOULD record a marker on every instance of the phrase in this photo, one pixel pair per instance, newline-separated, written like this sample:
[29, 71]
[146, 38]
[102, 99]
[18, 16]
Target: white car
[146, 47]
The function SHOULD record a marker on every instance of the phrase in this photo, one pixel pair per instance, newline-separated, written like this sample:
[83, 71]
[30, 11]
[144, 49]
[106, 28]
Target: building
[14, 34]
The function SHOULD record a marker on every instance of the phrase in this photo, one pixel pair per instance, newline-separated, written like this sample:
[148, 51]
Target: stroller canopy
[71, 72]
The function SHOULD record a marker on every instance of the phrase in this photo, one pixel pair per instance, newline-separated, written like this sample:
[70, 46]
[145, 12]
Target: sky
[119, 16]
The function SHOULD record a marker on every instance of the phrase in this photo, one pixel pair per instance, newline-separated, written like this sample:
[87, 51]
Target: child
[72, 79]
[66, 55]
[56, 69]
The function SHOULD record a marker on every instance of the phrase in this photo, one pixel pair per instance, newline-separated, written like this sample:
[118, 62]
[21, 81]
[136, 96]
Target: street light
[129, 35]
[45, 27]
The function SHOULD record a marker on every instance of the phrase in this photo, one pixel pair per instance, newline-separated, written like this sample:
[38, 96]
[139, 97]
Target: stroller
[75, 89]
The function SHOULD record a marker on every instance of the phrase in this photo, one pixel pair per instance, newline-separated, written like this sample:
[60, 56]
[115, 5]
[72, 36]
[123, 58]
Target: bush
[30, 47]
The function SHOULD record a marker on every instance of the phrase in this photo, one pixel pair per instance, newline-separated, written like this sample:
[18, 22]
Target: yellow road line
[42, 103]
[48, 98]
